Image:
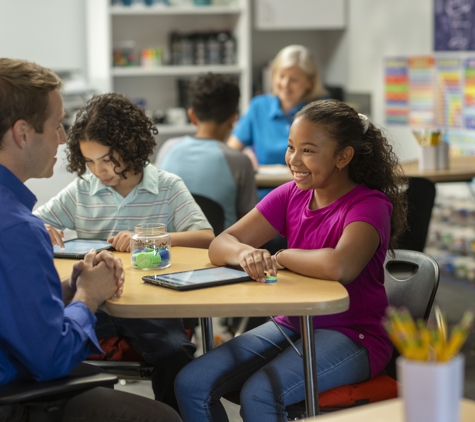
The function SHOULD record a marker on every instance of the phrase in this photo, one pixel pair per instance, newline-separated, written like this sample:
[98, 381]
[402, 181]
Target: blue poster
[454, 25]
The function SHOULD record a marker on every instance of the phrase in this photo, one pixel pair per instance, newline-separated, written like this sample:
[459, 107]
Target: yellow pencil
[459, 335]
[441, 324]
[457, 339]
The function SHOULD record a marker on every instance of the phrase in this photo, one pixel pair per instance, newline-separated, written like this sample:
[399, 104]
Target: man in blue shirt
[47, 324]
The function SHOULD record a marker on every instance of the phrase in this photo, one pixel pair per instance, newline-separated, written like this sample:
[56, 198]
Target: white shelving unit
[165, 70]
[108, 25]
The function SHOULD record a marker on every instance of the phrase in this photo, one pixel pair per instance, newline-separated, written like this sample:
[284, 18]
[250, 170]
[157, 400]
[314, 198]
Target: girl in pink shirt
[341, 213]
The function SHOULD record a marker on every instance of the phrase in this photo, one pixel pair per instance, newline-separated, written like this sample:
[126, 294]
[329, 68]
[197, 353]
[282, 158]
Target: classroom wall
[52, 32]
[381, 28]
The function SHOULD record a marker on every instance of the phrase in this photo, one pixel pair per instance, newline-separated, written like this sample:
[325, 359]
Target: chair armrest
[124, 369]
[82, 378]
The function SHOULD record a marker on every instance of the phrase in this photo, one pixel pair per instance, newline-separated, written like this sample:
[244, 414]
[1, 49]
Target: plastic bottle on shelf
[228, 47]
[175, 48]
[214, 49]
[186, 51]
[199, 49]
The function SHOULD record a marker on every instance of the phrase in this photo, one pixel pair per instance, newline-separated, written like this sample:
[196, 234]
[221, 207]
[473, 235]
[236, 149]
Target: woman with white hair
[265, 127]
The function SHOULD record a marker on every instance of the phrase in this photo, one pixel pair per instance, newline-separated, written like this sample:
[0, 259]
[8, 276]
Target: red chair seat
[380, 388]
[118, 349]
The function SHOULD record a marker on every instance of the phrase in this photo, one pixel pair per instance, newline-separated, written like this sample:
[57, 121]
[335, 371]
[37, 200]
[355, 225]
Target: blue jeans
[162, 342]
[268, 371]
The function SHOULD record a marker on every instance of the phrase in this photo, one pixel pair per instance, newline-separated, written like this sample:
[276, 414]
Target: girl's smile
[315, 164]
[311, 155]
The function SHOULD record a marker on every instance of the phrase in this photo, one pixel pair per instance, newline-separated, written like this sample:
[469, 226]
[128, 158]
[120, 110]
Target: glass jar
[150, 247]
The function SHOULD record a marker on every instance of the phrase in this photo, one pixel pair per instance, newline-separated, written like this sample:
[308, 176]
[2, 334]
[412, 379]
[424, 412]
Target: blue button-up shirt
[266, 128]
[39, 337]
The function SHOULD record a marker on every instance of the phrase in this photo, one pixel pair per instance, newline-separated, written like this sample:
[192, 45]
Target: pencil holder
[150, 247]
[431, 390]
[428, 157]
[443, 150]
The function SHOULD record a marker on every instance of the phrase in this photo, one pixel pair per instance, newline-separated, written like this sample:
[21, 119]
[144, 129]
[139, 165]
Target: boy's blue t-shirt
[210, 168]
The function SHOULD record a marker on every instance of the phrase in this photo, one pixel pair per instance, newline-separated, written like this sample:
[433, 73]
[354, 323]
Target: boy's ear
[192, 116]
[20, 132]
[233, 119]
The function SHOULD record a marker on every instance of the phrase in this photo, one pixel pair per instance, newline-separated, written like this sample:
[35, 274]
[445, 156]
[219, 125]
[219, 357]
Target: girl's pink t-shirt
[287, 210]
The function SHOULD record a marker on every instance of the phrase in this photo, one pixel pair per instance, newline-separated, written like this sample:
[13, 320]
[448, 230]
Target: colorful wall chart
[469, 93]
[397, 97]
[421, 73]
[449, 92]
[430, 91]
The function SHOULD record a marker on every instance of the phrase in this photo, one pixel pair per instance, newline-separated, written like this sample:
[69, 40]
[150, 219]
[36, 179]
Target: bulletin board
[454, 25]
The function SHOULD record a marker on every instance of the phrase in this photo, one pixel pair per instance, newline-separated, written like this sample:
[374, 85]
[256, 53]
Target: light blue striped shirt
[97, 211]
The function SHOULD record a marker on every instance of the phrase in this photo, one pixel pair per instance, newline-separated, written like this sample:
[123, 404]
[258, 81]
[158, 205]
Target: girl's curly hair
[374, 163]
[114, 121]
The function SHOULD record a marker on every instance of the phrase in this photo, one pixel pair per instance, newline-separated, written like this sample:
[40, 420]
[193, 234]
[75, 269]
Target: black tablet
[198, 279]
[77, 248]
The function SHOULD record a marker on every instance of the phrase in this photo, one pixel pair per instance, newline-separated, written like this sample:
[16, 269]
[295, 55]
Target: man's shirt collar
[10, 181]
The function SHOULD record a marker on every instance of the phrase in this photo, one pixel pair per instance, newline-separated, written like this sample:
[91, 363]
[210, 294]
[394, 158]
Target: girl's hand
[121, 241]
[56, 236]
[255, 262]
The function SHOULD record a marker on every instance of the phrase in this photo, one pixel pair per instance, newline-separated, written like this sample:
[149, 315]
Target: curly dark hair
[213, 97]
[113, 121]
[374, 163]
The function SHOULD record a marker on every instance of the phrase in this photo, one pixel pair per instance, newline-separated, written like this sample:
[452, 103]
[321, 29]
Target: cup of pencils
[433, 152]
[431, 368]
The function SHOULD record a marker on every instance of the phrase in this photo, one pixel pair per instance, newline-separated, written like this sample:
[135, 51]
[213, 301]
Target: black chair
[336, 92]
[420, 198]
[411, 279]
[125, 370]
[46, 400]
[213, 212]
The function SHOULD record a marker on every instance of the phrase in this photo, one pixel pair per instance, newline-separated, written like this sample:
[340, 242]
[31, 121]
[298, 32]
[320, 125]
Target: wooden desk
[293, 294]
[461, 169]
[385, 411]
[272, 176]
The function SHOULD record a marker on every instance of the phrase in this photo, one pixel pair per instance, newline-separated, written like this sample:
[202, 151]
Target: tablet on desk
[77, 248]
[198, 279]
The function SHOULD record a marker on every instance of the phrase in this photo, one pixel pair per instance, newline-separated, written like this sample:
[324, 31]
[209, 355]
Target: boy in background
[205, 163]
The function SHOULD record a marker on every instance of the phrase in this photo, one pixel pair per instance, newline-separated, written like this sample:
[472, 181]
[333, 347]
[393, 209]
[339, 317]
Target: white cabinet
[147, 27]
[299, 14]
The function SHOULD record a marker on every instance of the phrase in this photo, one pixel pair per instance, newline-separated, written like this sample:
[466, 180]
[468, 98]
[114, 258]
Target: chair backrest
[411, 279]
[420, 200]
[213, 212]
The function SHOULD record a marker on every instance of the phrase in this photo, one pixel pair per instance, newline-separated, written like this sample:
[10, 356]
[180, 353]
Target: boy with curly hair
[113, 138]
[205, 163]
